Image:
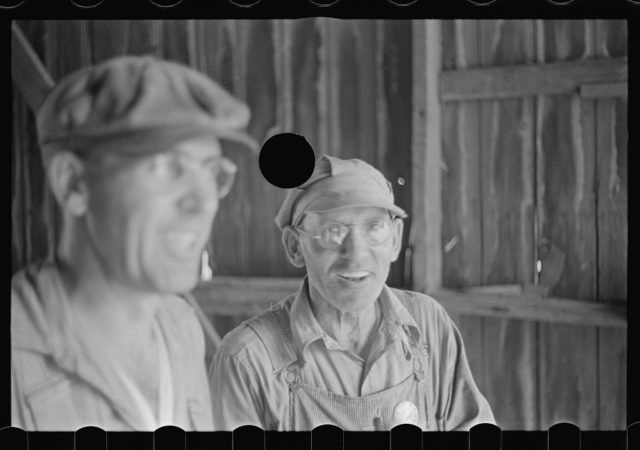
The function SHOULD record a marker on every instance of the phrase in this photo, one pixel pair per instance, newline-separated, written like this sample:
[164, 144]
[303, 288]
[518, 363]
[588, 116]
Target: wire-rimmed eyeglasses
[332, 235]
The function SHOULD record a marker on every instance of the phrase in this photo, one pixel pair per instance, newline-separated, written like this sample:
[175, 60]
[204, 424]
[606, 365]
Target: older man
[345, 349]
[99, 337]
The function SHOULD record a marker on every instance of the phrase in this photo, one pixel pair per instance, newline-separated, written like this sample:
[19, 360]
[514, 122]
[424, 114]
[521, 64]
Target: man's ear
[397, 229]
[67, 179]
[291, 243]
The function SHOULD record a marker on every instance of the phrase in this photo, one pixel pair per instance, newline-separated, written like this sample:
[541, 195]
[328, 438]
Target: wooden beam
[249, 296]
[243, 295]
[530, 79]
[30, 76]
[426, 154]
[532, 307]
[605, 90]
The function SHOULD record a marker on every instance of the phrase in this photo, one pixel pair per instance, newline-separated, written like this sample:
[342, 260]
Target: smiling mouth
[354, 276]
[181, 242]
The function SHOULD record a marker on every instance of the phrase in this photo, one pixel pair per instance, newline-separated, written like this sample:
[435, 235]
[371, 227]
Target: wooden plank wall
[523, 179]
[344, 85]
[538, 178]
[566, 198]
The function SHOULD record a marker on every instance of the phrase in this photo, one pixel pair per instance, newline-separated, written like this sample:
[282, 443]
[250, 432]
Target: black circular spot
[86, 3]
[166, 3]
[324, 2]
[245, 3]
[286, 160]
[8, 4]
[482, 2]
[402, 2]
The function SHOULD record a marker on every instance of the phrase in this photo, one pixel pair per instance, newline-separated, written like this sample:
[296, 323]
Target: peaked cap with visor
[137, 105]
[335, 184]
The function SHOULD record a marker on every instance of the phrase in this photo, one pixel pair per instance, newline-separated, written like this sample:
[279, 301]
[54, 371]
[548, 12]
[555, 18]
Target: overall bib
[310, 407]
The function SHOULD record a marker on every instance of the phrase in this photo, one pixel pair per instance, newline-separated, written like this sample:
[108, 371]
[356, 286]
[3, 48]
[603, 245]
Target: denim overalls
[310, 407]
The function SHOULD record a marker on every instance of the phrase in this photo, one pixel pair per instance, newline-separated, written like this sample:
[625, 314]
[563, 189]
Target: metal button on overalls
[404, 403]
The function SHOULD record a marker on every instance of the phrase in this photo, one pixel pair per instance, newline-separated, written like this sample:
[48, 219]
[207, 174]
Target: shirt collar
[305, 328]
[397, 319]
[48, 328]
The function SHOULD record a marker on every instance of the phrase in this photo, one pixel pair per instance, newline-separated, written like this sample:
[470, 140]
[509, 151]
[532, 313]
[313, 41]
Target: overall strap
[273, 329]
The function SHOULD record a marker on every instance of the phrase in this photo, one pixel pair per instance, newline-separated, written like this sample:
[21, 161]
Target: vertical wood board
[424, 248]
[29, 230]
[507, 174]
[175, 41]
[108, 38]
[567, 223]
[67, 48]
[264, 97]
[612, 226]
[461, 200]
[394, 150]
[304, 67]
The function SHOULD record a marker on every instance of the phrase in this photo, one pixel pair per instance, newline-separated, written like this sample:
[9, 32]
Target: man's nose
[354, 242]
[200, 195]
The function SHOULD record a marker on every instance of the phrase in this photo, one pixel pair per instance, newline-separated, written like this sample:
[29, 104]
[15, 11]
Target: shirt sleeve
[465, 405]
[235, 394]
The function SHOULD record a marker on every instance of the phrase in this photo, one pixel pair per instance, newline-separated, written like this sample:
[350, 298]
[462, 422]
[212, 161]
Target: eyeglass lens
[170, 167]
[375, 232]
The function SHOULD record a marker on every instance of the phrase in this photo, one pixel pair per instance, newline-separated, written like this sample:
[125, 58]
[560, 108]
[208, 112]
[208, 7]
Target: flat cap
[334, 184]
[138, 105]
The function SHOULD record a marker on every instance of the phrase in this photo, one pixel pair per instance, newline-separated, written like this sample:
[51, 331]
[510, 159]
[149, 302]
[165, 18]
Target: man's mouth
[354, 276]
[181, 242]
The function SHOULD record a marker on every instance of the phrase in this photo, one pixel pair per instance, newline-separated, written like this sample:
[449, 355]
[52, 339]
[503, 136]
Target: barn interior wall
[524, 180]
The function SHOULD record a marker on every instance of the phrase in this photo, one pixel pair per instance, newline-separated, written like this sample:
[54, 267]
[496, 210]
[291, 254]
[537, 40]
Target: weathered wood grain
[304, 73]
[461, 199]
[27, 71]
[552, 310]
[424, 235]
[345, 108]
[604, 90]
[507, 189]
[108, 38]
[530, 79]
[373, 40]
[145, 37]
[612, 224]
[611, 38]
[566, 177]
[264, 96]
[394, 103]
[246, 295]
[29, 229]
[67, 47]
[219, 53]
[175, 41]
[346, 86]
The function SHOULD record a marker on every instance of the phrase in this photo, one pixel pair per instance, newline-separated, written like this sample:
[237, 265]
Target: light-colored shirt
[246, 391]
[60, 379]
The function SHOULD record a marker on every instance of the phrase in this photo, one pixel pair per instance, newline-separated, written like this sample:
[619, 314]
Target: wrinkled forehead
[201, 148]
[344, 215]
